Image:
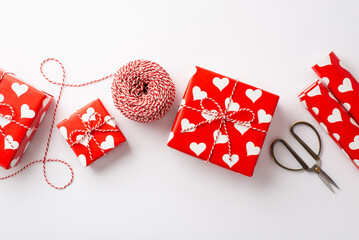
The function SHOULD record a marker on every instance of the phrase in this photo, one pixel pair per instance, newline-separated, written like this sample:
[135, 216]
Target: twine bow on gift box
[87, 133]
[224, 117]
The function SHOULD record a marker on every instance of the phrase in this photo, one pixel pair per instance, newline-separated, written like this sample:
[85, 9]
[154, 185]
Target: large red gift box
[22, 108]
[91, 132]
[211, 126]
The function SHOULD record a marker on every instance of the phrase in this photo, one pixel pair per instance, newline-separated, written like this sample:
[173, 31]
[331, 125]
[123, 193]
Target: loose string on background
[44, 159]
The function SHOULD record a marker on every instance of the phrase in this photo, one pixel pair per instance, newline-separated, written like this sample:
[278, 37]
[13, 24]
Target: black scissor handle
[290, 149]
[307, 148]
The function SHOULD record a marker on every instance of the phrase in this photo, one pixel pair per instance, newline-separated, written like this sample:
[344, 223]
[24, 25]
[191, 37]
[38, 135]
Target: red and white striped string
[142, 90]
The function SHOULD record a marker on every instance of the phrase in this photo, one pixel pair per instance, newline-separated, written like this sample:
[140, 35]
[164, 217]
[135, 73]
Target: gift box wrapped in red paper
[223, 121]
[91, 132]
[22, 108]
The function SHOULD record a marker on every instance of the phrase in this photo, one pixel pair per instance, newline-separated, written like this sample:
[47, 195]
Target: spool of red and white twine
[142, 90]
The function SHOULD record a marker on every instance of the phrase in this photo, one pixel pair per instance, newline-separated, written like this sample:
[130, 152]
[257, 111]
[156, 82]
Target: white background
[144, 189]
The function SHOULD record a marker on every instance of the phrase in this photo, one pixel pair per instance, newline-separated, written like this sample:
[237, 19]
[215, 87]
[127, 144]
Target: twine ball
[143, 91]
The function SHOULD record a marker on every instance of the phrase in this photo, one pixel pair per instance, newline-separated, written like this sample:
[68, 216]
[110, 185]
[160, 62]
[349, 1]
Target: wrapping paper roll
[332, 116]
[340, 82]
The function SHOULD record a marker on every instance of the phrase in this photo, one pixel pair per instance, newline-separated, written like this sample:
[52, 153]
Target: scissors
[316, 167]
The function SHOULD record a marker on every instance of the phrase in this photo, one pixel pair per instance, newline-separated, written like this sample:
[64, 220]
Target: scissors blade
[325, 181]
[323, 174]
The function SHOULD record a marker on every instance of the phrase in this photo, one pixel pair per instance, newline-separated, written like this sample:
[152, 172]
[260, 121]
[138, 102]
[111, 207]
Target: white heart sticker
[185, 124]
[251, 149]
[233, 106]
[336, 136]
[263, 117]
[343, 65]
[241, 128]
[346, 106]
[230, 160]
[220, 83]
[89, 115]
[346, 86]
[353, 122]
[209, 116]
[82, 159]
[63, 131]
[335, 117]
[253, 95]
[325, 80]
[355, 144]
[197, 148]
[108, 143]
[19, 89]
[26, 112]
[1, 97]
[221, 138]
[10, 143]
[4, 121]
[315, 110]
[110, 121]
[170, 136]
[29, 132]
[198, 94]
[305, 104]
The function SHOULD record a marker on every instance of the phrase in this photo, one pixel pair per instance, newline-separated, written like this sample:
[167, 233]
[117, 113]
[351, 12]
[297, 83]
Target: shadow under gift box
[102, 139]
[29, 106]
[245, 142]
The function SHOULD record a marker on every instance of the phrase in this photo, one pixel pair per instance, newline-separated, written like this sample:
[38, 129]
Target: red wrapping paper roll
[331, 115]
[340, 82]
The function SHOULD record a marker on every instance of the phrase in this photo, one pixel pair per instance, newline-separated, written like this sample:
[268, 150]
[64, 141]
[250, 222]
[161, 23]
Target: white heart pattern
[170, 136]
[10, 143]
[19, 89]
[314, 92]
[183, 102]
[89, 115]
[29, 132]
[4, 121]
[14, 162]
[336, 136]
[325, 80]
[324, 61]
[197, 148]
[263, 117]
[253, 95]
[251, 149]
[346, 106]
[26, 112]
[346, 86]
[354, 122]
[315, 110]
[108, 143]
[84, 140]
[332, 96]
[110, 121]
[1, 97]
[356, 161]
[324, 127]
[355, 144]
[233, 106]
[198, 94]
[185, 124]
[220, 83]
[82, 159]
[241, 128]
[209, 116]
[230, 160]
[305, 104]
[45, 102]
[335, 117]
[63, 131]
[221, 138]
[343, 65]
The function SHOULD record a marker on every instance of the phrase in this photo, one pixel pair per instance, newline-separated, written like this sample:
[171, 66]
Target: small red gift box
[223, 121]
[91, 132]
[22, 108]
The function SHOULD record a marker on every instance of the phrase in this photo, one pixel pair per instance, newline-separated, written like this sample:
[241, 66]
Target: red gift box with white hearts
[341, 83]
[223, 121]
[333, 118]
[91, 132]
[22, 108]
